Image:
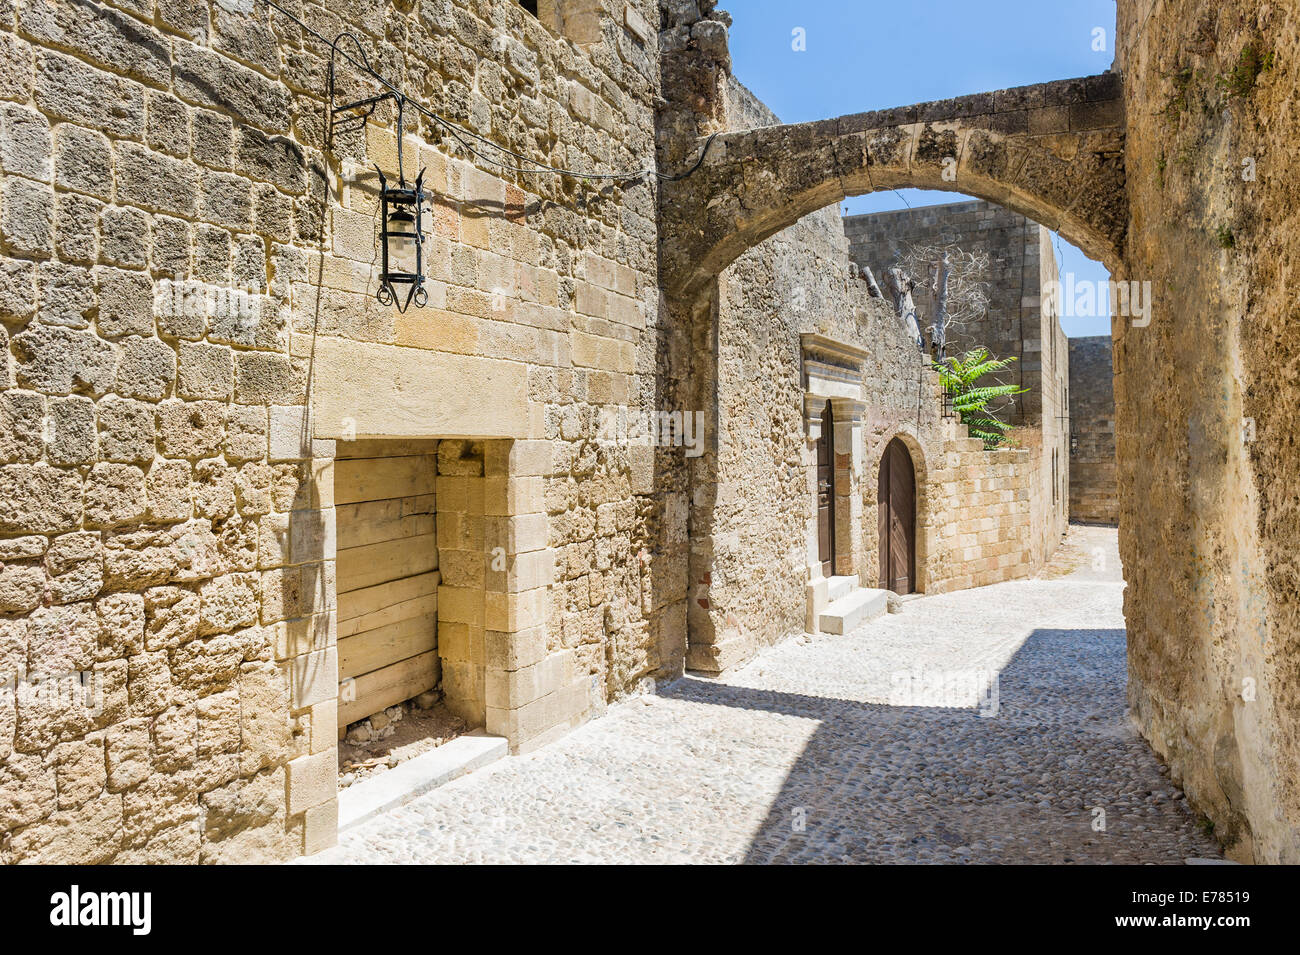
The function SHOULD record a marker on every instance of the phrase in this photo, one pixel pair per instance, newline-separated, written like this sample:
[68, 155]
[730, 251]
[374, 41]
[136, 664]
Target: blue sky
[865, 54]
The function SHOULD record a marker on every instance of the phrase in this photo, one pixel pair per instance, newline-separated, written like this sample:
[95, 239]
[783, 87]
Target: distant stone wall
[1013, 246]
[1094, 494]
[1021, 323]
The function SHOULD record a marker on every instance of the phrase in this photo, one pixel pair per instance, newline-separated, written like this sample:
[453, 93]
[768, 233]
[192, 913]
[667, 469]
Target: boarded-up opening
[387, 575]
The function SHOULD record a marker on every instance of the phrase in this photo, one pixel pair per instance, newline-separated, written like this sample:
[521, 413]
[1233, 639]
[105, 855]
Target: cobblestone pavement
[884, 745]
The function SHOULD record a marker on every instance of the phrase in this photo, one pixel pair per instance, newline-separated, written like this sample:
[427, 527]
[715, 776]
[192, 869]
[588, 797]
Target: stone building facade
[241, 502]
[196, 360]
[1094, 495]
[1022, 322]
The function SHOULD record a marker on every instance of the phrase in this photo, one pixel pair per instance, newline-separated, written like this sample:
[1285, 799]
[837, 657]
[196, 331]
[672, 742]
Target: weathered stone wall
[166, 512]
[796, 282]
[1206, 400]
[1094, 496]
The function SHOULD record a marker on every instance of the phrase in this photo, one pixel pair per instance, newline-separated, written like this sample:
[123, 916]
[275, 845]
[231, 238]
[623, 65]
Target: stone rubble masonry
[1094, 496]
[180, 258]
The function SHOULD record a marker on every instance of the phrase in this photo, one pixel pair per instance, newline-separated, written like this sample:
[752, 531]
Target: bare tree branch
[960, 291]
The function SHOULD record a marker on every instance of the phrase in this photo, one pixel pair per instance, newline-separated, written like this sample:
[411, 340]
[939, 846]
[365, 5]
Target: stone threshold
[368, 798]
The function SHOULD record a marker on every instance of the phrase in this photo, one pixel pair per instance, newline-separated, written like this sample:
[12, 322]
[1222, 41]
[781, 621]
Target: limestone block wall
[1206, 408]
[985, 535]
[1094, 496]
[187, 278]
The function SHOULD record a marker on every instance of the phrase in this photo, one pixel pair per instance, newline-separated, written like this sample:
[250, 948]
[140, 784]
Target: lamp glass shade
[401, 241]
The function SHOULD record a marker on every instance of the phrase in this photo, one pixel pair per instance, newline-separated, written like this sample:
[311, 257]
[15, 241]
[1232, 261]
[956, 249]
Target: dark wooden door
[896, 504]
[826, 494]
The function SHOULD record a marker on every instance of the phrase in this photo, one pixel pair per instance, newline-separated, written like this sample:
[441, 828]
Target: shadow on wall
[941, 782]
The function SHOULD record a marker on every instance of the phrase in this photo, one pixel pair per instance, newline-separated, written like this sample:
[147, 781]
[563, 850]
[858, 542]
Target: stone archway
[1052, 152]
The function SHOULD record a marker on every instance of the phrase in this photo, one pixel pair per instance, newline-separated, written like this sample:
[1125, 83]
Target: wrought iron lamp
[401, 209]
[948, 411]
[401, 205]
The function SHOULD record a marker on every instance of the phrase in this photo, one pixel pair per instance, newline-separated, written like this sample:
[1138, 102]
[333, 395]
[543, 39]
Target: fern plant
[960, 377]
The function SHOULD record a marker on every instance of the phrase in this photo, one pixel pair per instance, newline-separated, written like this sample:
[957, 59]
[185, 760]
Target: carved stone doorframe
[832, 375]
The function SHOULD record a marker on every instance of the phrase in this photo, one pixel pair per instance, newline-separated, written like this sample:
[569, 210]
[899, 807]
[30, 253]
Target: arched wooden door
[896, 505]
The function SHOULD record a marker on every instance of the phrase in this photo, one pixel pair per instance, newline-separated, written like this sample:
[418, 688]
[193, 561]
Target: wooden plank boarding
[378, 479]
[388, 687]
[421, 605]
[387, 568]
[390, 560]
[375, 649]
[373, 522]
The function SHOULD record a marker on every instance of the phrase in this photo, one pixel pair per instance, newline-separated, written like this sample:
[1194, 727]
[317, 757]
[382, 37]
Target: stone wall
[1206, 401]
[1094, 496]
[980, 513]
[1012, 243]
[187, 279]
[749, 577]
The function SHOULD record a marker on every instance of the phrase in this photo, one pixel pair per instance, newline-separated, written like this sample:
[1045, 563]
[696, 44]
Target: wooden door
[826, 494]
[896, 505]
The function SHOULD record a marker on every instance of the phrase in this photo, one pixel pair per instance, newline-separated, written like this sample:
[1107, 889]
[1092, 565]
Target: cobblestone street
[879, 746]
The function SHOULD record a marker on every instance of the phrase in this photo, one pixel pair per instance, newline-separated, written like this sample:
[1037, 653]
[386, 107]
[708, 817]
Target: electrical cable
[458, 132]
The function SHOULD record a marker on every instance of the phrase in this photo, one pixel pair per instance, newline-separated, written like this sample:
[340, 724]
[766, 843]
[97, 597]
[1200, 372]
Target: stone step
[397, 786]
[840, 587]
[850, 612]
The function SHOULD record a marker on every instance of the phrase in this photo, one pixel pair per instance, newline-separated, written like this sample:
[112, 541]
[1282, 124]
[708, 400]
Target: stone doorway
[387, 576]
[896, 506]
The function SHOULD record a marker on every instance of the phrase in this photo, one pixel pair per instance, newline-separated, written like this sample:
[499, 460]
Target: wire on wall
[462, 134]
